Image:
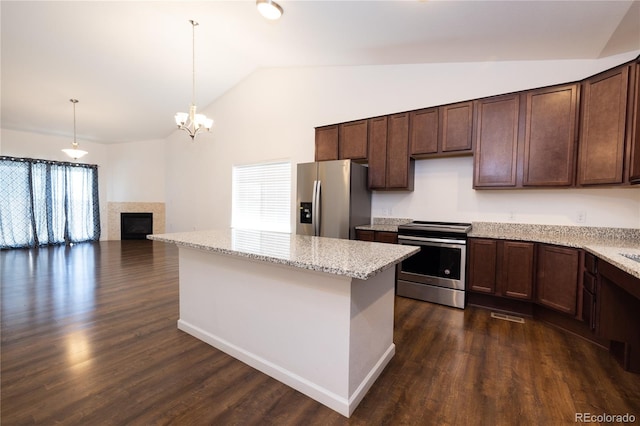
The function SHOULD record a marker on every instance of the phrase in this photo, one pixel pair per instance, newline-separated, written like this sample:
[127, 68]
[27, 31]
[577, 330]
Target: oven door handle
[432, 241]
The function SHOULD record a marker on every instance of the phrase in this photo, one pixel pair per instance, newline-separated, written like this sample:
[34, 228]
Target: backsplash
[389, 221]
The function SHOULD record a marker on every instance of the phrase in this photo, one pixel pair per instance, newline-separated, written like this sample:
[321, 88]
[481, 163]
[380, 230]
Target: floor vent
[507, 317]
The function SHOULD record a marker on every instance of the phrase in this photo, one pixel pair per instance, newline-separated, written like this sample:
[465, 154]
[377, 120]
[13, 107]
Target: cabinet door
[365, 235]
[602, 133]
[496, 142]
[327, 143]
[482, 265]
[517, 270]
[377, 152]
[398, 152]
[634, 166]
[353, 140]
[456, 127]
[387, 237]
[550, 136]
[557, 278]
[423, 126]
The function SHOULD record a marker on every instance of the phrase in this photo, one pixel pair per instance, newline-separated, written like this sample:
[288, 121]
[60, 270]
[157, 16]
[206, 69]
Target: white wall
[137, 171]
[272, 115]
[443, 192]
[126, 172]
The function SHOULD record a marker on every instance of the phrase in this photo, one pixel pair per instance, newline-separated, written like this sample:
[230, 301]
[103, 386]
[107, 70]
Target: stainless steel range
[437, 272]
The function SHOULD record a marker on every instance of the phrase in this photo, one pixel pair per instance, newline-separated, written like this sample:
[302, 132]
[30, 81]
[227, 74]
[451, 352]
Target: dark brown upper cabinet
[390, 167]
[603, 129]
[424, 131]
[575, 134]
[399, 170]
[527, 139]
[634, 169]
[456, 128]
[353, 139]
[327, 143]
[550, 136]
[377, 153]
[495, 157]
[442, 131]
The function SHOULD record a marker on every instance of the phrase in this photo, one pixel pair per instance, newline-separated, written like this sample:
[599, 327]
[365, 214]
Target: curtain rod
[41, 161]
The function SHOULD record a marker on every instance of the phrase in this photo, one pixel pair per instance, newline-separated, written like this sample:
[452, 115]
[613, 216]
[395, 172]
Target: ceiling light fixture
[74, 152]
[269, 9]
[191, 122]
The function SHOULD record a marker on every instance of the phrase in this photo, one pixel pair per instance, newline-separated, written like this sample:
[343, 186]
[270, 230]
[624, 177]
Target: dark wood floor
[89, 337]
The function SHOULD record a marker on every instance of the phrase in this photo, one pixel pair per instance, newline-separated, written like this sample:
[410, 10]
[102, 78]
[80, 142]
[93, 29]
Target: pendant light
[191, 122]
[74, 152]
[269, 9]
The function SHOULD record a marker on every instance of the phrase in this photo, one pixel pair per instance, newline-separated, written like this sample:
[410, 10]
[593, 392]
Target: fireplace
[135, 226]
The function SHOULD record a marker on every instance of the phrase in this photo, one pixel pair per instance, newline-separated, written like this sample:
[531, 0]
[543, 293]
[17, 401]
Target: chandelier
[191, 122]
[74, 152]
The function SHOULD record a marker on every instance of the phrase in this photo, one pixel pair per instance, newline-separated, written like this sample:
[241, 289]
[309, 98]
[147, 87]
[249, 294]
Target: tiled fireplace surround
[115, 208]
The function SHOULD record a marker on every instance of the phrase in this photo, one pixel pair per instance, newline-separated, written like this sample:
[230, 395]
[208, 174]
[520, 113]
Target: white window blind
[262, 197]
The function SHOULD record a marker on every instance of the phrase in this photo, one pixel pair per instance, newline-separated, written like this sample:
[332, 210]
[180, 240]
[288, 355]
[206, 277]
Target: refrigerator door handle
[313, 207]
[316, 208]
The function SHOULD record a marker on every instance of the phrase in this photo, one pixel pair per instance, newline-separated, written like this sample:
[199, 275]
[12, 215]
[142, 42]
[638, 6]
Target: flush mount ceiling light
[191, 122]
[269, 9]
[74, 152]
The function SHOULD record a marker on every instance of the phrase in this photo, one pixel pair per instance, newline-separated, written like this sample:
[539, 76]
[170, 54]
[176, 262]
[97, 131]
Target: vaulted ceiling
[129, 63]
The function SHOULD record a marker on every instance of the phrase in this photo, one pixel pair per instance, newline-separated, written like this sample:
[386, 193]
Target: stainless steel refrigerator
[332, 199]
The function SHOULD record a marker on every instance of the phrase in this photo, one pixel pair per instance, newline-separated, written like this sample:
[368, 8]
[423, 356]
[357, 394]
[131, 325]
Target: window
[47, 202]
[261, 197]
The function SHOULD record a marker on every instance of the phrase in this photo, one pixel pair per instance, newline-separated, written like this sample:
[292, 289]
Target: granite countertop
[605, 243]
[355, 259]
[384, 224]
[378, 227]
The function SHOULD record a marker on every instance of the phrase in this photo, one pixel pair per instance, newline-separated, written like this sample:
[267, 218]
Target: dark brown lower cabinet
[516, 272]
[501, 268]
[557, 277]
[618, 314]
[482, 265]
[377, 236]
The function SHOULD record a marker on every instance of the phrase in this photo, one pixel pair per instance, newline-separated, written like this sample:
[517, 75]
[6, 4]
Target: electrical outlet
[581, 216]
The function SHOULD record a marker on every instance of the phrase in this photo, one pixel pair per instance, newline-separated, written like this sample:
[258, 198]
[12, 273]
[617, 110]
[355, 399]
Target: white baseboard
[342, 405]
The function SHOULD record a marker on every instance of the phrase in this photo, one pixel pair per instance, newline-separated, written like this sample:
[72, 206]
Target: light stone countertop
[378, 227]
[605, 243]
[355, 259]
[384, 224]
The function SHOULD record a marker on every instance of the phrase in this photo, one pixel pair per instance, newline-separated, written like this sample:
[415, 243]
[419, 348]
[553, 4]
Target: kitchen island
[314, 313]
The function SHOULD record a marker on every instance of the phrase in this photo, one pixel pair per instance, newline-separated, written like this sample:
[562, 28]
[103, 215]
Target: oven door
[439, 262]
